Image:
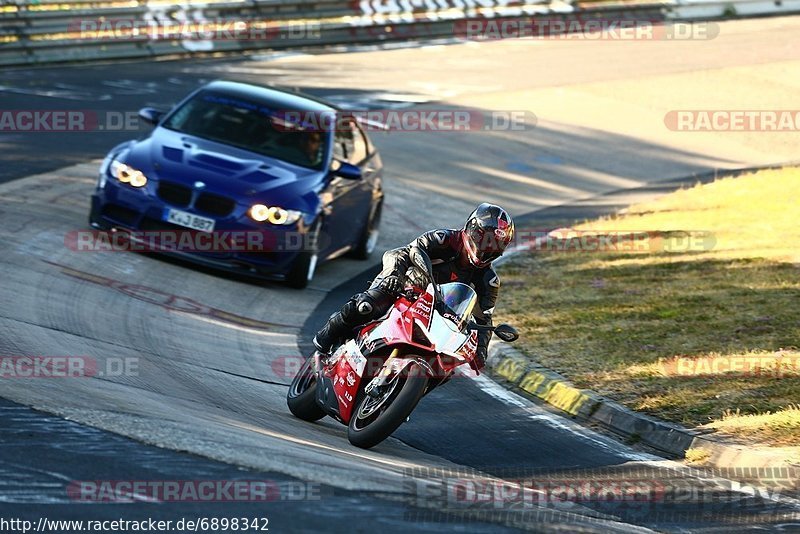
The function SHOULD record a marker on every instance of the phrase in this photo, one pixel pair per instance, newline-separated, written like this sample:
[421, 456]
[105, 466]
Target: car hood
[243, 175]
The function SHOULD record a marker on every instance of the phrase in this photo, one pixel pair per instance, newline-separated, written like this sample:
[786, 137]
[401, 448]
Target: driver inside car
[458, 255]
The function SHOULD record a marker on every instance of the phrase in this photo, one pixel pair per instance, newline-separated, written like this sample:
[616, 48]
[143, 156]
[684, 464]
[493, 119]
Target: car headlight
[273, 214]
[127, 174]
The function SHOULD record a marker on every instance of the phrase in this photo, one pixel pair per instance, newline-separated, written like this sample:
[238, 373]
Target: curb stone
[514, 368]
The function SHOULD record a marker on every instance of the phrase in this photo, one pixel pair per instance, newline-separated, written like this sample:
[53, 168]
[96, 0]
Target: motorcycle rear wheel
[302, 395]
[374, 420]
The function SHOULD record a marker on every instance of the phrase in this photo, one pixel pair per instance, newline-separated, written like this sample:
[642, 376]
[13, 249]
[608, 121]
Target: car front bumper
[262, 249]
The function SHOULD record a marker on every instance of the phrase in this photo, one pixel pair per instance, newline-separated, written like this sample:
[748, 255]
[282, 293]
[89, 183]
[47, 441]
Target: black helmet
[486, 234]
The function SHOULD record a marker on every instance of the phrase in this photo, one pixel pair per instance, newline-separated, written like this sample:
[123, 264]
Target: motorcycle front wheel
[376, 418]
[302, 395]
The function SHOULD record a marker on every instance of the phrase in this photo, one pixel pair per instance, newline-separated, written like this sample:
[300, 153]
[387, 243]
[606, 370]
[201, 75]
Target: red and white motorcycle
[373, 382]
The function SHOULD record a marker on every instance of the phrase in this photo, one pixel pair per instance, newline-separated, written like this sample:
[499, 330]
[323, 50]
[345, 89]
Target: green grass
[616, 322]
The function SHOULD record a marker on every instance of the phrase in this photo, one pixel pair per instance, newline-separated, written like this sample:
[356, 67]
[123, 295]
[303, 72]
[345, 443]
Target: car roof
[274, 97]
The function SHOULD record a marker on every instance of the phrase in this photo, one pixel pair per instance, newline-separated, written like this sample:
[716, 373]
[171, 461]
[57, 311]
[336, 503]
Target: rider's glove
[392, 284]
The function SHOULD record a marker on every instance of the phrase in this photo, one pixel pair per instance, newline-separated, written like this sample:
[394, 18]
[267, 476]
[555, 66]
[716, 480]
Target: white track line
[495, 390]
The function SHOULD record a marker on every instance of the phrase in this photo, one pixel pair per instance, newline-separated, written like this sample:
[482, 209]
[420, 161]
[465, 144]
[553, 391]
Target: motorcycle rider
[463, 255]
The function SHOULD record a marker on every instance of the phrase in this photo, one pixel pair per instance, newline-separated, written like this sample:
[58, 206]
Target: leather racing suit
[444, 247]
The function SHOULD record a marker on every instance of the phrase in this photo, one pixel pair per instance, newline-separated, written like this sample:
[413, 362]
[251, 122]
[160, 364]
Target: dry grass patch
[701, 323]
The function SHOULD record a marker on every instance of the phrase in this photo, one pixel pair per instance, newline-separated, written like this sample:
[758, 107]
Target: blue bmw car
[236, 159]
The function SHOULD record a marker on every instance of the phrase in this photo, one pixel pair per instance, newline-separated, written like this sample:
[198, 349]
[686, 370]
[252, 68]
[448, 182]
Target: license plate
[189, 220]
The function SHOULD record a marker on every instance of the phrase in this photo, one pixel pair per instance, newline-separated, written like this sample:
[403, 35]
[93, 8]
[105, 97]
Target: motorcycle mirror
[421, 260]
[506, 332]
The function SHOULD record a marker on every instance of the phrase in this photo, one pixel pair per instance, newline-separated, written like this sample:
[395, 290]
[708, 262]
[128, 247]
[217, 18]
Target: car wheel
[302, 270]
[368, 239]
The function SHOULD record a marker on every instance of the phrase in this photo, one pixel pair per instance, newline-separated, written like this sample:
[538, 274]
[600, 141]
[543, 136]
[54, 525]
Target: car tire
[368, 238]
[302, 269]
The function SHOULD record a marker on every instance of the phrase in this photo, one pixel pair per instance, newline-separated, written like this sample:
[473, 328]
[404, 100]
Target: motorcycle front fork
[373, 389]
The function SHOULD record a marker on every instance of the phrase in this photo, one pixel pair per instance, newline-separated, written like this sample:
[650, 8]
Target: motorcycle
[373, 382]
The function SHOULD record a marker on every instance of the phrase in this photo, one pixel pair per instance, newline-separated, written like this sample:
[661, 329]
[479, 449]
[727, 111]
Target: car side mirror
[506, 332]
[346, 170]
[151, 115]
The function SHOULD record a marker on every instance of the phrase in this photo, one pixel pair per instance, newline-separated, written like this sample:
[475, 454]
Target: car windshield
[458, 301]
[250, 126]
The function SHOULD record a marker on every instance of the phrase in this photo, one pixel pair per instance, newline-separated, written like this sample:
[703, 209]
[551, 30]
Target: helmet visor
[485, 244]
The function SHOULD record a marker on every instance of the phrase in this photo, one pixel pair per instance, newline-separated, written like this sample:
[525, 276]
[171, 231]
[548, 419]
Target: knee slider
[364, 305]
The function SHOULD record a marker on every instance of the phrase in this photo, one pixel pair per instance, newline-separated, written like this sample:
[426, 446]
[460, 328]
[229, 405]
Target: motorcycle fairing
[345, 378]
[441, 338]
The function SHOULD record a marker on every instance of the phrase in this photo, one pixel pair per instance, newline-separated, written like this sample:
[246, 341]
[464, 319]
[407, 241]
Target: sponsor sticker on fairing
[355, 358]
[421, 309]
[470, 345]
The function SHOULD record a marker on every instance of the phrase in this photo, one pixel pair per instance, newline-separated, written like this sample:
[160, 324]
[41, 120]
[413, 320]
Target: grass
[697, 456]
[698, 322]
[780, 427]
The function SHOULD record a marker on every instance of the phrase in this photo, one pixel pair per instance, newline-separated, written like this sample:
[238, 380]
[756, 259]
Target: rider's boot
[334, 330]
[357, 311]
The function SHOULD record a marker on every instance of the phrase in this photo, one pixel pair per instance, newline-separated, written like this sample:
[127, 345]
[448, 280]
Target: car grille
[176, 194]
[214, 204]
[121, 214]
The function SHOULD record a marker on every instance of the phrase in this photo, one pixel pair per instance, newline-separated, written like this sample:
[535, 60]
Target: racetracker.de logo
[579, 29]
[194, 241]
[66, 367]
[192, 490]
[213, 29]
[67, 120]
[287, 367]
[775, 365]
[171, 241]
[728, 120]
[405, 120]
[598, 241]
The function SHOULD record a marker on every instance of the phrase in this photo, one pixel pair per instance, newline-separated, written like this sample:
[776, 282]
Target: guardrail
[47, 31]
[712, 9]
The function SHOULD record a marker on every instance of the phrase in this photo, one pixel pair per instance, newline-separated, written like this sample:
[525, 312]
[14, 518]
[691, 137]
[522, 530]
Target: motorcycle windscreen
[458, 302]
